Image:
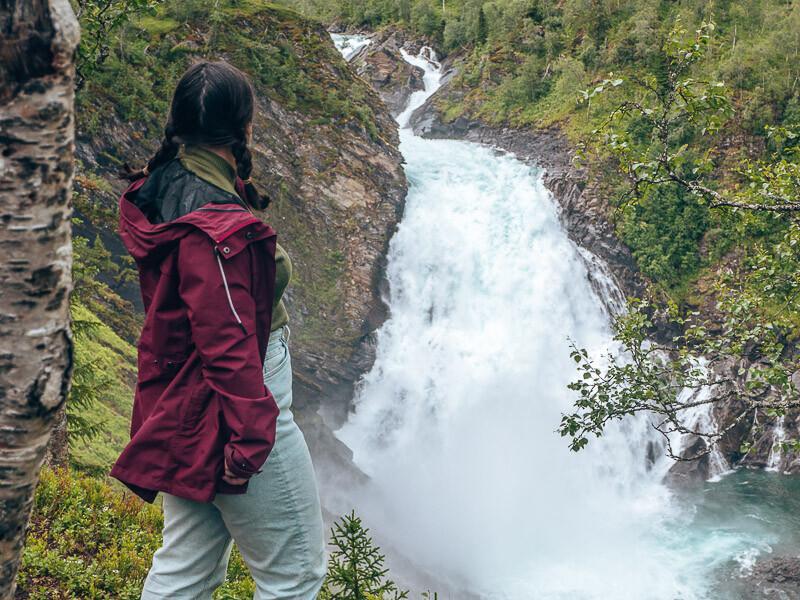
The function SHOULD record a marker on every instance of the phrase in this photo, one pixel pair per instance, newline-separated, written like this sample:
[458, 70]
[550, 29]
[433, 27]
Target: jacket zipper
[227, 291]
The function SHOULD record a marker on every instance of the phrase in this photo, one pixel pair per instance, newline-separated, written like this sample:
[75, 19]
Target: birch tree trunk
[37, 49]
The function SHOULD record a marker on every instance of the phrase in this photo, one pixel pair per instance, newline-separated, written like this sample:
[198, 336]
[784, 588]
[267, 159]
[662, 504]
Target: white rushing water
[776, 452]
[350, 45]
[455, 424]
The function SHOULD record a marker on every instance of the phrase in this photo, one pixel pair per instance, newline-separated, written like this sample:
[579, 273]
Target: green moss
[115, 358]
[156, 25]
[318, 263]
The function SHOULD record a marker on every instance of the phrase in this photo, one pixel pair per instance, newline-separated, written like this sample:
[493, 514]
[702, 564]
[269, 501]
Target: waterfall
[778, 439]
[431, 80]
[350, 45]
[455, 423]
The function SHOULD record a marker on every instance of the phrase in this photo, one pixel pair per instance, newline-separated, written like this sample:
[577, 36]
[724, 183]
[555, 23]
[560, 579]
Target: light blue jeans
[277, 524]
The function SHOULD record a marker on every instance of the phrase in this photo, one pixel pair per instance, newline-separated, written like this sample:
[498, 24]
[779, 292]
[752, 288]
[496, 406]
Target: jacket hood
[219, 218]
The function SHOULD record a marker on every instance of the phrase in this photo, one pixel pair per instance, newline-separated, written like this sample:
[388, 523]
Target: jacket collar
[209, 166]
[219, 222]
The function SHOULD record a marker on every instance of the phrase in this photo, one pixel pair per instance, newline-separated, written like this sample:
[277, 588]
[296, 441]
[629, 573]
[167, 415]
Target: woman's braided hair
[213, 105]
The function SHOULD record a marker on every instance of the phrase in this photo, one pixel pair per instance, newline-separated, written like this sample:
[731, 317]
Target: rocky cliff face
[381, 64]
[325, 150]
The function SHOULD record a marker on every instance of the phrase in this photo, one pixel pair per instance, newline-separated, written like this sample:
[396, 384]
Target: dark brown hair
[213, 105]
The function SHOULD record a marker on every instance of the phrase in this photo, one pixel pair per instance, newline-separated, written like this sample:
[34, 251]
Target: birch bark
[38, 39]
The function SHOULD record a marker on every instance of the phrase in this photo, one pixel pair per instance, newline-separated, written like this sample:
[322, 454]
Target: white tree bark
[37, 49]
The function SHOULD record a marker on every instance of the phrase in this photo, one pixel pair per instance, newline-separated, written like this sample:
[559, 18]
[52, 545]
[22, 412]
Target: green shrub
[89, 539]
[663, 232]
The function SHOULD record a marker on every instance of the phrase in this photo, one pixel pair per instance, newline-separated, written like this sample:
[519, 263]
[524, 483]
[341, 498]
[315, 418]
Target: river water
[455, 423]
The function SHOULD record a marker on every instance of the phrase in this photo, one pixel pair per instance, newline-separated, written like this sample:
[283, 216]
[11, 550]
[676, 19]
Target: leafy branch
[664, 105]
[667, 381]
[99, 19]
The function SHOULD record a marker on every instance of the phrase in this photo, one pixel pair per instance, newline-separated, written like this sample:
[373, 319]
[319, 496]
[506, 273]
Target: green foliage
[99, 20]
[89, 381]
[87, 540]
[426, 18]
[752, 49]
[356, 568]
[90, 539]
[530, 83]
[284, 54]
[103, 363]
[664, 229]
[92, 262]
[753, 324]
[696, 368]
[101, 398]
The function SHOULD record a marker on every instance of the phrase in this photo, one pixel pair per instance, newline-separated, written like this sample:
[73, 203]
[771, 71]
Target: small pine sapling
[356, 568]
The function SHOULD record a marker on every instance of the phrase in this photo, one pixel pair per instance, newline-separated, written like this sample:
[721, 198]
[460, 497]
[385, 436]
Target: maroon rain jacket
[207, 280]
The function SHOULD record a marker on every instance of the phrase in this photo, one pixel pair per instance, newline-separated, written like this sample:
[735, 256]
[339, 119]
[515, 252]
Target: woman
[214, 391]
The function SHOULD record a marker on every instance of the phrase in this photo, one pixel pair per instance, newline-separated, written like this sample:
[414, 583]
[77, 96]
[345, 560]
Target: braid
[166, 152]
[244, 159]
[244, 168]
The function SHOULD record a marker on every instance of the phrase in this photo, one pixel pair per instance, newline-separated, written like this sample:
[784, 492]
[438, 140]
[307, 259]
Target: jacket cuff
[237, 465]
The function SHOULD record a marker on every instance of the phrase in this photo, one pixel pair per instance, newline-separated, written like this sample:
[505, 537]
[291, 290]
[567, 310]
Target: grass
[156, 25]
[89, 541]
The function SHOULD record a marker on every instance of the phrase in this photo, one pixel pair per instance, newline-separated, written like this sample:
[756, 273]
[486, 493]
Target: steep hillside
[105, 364]
[324, 150]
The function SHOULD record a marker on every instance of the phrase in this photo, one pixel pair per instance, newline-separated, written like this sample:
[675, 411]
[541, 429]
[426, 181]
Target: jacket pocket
[195, 407]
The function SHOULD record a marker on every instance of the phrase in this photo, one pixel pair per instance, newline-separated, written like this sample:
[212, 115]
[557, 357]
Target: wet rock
[382, 65]
[689, 473]
[775, 578]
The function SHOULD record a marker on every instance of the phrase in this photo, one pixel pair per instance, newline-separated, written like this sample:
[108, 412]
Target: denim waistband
[281, 334]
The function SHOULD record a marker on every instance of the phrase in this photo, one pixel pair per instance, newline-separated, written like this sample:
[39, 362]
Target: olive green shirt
[217, 171]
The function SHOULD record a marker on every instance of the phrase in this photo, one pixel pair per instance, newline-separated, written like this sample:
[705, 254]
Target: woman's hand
[229, 477]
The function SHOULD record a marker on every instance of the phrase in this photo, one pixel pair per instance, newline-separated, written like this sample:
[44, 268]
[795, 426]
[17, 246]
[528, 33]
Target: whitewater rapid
[455, 423]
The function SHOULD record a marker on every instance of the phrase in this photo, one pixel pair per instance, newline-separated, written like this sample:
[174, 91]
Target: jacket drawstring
[227, 291]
